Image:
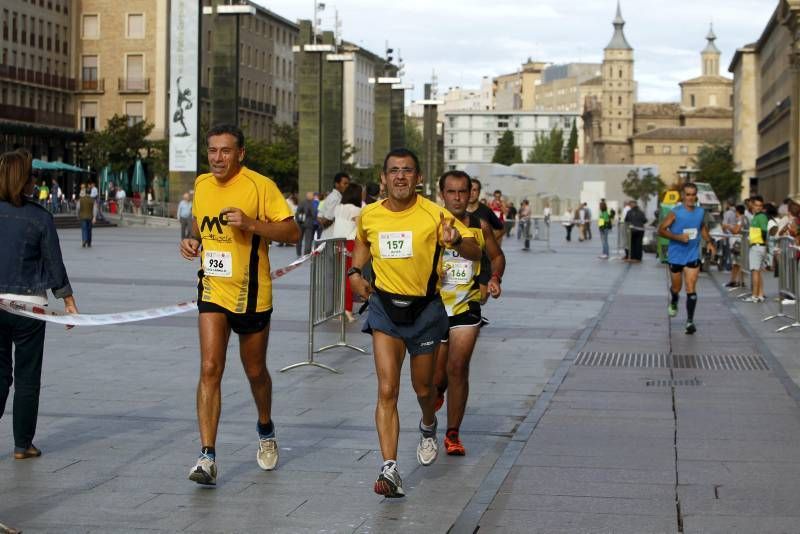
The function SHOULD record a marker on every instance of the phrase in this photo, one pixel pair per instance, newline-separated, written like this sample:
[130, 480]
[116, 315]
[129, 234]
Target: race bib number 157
[395, 244]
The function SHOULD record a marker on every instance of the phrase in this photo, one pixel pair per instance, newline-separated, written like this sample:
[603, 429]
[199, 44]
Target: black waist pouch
[403, 309]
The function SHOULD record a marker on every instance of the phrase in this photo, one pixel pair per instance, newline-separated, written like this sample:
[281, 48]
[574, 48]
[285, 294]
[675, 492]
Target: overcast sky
[464, 40]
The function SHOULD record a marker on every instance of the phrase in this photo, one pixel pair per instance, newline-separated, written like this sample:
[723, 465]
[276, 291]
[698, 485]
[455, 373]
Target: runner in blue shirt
[684, 226]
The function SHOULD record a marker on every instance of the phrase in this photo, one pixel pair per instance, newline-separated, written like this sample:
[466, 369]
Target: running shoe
[753, 298]
[389, 484]
[452, 444]
[267, 455]
[428, 448]
[690, 328]
[672, 309]
[733, 285]
[205, 471]
[788, 302]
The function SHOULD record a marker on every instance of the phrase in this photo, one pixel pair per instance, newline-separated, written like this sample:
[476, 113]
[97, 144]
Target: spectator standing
[604, 224]
[758, 248]
[305, 216]
[525, 222]
[120, 198]
[325, 214]
[636, 221]
[185, 216]
[55, 195]
[511, 215]
[26, 277]
[588, 231]
[344, 226]
[86, 210]
[569, 222]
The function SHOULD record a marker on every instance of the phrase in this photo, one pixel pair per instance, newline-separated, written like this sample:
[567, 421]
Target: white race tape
[99, 319]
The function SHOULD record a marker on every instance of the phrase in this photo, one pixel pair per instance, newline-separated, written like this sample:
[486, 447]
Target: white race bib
[691, 232]
[457, 272]
[217, 264]
[395, 245]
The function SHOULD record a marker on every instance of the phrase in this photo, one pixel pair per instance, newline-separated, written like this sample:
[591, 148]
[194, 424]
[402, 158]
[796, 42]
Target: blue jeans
[86, 231]
[604, 239]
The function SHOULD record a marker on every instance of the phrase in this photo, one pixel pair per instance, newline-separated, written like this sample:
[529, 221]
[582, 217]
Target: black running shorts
[240, 323]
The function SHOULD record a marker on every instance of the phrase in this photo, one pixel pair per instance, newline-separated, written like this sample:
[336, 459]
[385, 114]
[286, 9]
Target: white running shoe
[267, 455]
[204, 471]
[389, 484]
[428, 448]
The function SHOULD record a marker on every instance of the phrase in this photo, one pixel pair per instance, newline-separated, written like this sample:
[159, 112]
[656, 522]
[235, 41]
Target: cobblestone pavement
[552, 446]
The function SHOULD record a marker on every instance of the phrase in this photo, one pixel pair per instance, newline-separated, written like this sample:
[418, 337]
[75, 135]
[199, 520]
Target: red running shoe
[452, 444]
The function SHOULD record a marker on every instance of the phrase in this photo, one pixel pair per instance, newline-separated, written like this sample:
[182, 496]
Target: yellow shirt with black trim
[416, 268]
[460, 284]
[242, 283]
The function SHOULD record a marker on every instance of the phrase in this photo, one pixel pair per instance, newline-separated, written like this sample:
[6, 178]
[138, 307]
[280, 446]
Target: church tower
[618, 95]
[710, 55]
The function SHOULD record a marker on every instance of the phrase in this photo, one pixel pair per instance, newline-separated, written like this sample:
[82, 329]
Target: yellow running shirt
[235, 264]
[460, 277]
[406, 254]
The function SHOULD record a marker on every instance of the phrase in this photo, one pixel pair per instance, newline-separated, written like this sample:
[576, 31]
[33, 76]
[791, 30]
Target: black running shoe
[690, 328]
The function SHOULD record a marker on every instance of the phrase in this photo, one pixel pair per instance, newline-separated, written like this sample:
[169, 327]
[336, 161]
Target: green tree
[642, 188]
[507, 153]
[548, 147]
[277, 159]
[714, 164]
[118, 145]
[572, 144]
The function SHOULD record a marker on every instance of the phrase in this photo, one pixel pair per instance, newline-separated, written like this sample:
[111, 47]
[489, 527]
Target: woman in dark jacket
[30, 266]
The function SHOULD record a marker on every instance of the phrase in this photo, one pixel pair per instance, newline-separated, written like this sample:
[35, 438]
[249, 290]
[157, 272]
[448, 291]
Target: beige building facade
[121, 58]
[516, 91]
[745, 108]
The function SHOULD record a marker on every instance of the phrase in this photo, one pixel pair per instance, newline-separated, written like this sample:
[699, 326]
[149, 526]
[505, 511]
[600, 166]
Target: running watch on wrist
[353, 270]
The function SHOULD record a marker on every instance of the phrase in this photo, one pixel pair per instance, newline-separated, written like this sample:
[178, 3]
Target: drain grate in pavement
[658, 360]
[622, 359]
[675, 383]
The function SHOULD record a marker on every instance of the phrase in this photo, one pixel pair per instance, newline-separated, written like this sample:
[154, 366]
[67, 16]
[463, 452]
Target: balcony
[134, 85]
[35, 116]
[91, 86]
[51, 81]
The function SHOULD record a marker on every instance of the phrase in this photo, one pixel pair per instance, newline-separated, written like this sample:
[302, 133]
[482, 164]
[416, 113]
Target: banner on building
[183, 87]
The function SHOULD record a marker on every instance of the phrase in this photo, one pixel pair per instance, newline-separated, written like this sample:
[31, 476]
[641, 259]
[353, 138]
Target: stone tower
[618, 95]
[710, 55]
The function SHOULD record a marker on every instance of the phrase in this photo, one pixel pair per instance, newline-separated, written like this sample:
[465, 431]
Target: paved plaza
[556, 441]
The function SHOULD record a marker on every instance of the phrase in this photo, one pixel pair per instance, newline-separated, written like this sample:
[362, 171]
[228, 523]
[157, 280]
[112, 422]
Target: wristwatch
[353, 270]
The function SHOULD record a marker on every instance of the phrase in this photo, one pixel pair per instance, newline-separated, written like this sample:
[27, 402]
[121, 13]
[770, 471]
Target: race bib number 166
[395, 244]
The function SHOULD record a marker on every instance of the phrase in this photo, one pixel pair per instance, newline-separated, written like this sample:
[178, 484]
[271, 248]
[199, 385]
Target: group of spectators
[763, 223]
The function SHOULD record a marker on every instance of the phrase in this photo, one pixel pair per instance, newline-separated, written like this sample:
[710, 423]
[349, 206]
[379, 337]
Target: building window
[619, 126]
[649, 149]
[135, 112]
[451, 154]
[619, 100]
[684, 149]
[136, 26]
[89, 72]
[90, 27]
[134, 72]
[488, 138]
[666, 149]
[88, 116]
[691, 100]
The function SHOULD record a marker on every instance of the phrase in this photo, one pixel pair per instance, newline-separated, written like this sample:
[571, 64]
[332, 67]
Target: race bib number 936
[217, 264]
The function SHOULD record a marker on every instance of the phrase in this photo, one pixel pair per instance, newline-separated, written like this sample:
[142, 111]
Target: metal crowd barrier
[540, 232]
[744, 265]
[788, 281]
[326, 298]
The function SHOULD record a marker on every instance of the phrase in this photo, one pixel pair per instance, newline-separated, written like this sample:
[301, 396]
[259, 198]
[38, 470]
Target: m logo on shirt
[212, 223]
